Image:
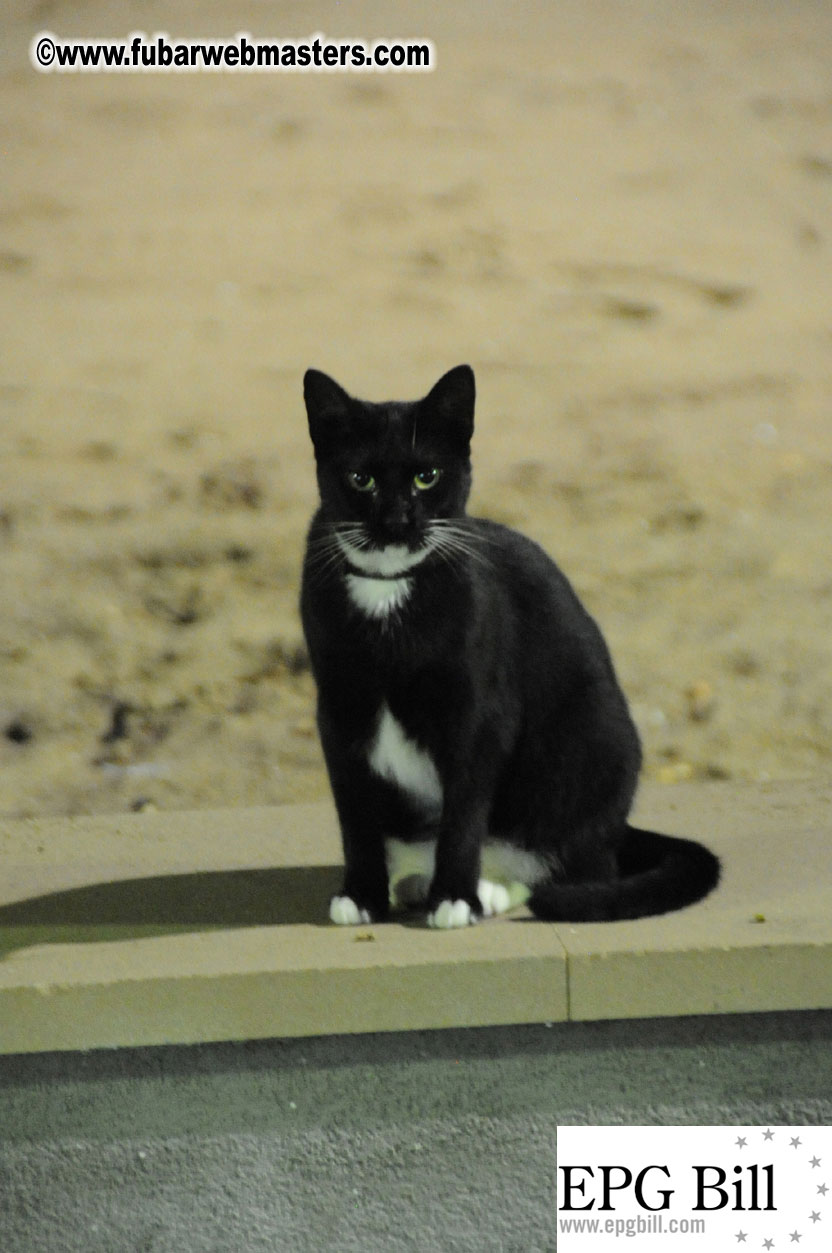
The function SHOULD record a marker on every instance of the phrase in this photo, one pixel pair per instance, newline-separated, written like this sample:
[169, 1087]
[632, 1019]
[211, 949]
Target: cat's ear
[327, 405]
[452, 400]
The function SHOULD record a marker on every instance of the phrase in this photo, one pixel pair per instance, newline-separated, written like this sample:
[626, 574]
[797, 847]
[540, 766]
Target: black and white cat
[479, 747]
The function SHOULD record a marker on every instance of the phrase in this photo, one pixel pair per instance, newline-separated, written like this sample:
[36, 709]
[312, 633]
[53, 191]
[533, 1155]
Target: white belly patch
[398, 759]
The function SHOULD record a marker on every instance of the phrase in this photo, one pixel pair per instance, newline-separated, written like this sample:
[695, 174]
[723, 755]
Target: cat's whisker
[325, 557]
[325, 554]
[352, 531]
[352, 534]
[446, 542]
[453, 557]
[324, 544]
[450, 538]
[332, 540]
[319, 570]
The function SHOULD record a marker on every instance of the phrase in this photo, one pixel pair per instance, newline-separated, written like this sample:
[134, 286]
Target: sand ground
[620, 214]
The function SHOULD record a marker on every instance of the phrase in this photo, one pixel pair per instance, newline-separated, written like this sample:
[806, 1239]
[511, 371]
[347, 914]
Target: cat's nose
[396, 520]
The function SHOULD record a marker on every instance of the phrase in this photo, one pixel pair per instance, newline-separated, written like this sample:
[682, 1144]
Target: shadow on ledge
[171, 905]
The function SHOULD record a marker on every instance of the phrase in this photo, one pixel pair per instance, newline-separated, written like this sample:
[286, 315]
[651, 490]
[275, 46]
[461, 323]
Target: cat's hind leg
[499, 898]
[506, 877]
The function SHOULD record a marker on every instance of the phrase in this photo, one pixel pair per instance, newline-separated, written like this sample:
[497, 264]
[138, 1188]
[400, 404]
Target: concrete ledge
[187, 927]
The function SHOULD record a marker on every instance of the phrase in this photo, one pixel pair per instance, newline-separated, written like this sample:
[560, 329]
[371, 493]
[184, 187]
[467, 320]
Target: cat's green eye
[360, 481]
[426, 479]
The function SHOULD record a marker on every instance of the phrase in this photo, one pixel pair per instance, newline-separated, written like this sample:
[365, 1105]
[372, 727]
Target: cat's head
[392, 470]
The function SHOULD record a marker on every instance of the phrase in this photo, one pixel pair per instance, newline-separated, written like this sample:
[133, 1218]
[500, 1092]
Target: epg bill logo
[718, 1188]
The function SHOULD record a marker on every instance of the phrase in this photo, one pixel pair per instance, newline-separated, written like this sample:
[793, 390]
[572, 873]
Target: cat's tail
[658, 873]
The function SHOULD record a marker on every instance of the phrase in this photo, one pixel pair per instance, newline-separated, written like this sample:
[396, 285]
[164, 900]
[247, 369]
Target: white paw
[451, 914]
[494, 898]
[344, 911]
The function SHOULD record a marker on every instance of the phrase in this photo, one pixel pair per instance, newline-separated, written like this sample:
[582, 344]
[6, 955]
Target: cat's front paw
[459, 913]
[344, 911]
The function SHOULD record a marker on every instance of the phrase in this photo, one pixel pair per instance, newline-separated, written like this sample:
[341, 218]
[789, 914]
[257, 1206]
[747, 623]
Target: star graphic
[768, 1244]
[815, 1161]
[795, 1142]
[794, 1236]
[740, 1237]
[822, 1189]
[768, 1135]
[740, 1142]
[815, 1216]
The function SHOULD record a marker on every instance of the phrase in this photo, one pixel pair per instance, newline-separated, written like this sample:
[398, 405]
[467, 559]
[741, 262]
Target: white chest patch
[377, 597]
[398, 759]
